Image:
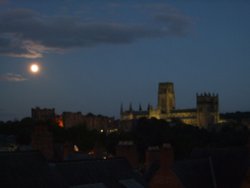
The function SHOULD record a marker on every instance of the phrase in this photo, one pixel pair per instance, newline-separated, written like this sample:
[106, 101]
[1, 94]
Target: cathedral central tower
[166, 97]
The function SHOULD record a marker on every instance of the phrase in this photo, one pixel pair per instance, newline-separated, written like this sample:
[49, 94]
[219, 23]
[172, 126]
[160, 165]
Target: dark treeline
[236, 116]
[20, 129]
[184, 138]
[145, 133]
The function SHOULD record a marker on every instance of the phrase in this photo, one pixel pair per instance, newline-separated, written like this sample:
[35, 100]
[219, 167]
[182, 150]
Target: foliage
[184, 138]
[85, 139]
[146, 132]
[21, 129]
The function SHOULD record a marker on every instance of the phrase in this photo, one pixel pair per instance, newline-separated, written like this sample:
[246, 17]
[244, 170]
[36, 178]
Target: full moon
[34, 68]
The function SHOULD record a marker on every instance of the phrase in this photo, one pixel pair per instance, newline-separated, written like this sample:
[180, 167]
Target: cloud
[11, 77]
[25, 33]
[3, 1]
[175, 22]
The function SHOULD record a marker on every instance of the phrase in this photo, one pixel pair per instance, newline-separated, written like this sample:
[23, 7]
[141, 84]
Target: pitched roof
[225, 167]
[112, 173]
[194, 173]
[30, 169]
[230, 164]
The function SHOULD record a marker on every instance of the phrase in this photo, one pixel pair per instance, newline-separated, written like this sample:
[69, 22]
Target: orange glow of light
[59, 121]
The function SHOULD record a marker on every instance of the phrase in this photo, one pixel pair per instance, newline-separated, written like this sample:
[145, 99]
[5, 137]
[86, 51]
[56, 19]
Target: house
[213, 168]
[31, 169]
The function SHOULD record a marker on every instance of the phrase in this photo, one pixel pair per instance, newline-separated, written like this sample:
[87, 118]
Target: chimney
[166, 156]
[164, 176]
[127, 149]
[152, 156]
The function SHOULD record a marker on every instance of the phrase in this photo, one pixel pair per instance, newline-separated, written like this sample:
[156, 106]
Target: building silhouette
[206, 112]
[43, 114]
[71, 119]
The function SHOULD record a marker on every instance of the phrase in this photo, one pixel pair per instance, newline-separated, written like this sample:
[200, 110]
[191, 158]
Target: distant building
[71, 119]
[45, 114]
[239, 118]
[206, 112]
[91, 121]
[99, 122]
[42, 140]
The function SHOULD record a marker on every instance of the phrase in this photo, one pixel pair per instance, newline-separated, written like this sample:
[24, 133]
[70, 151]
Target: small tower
[140, 108]
[121, 109]
[207, 109]
[166, 97]
[130, 107]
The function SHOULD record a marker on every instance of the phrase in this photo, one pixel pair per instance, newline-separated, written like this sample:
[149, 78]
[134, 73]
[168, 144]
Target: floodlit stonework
[206, 112]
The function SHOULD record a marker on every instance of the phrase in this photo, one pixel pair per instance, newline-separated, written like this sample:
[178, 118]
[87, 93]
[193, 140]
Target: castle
[206, 112]
[71, 119]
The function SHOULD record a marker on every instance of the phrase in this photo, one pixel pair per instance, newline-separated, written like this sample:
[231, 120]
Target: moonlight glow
[34, 68]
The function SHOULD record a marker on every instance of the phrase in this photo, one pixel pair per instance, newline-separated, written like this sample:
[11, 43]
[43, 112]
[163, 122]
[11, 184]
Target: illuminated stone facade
[206, 112]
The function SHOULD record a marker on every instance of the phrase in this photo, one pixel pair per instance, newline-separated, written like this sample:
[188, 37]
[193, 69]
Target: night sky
[96, 55]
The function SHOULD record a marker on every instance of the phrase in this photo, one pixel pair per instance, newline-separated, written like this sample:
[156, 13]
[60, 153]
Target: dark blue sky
[95, 55]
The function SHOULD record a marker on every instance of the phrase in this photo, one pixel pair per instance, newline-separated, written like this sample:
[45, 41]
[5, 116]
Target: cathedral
[206, 112]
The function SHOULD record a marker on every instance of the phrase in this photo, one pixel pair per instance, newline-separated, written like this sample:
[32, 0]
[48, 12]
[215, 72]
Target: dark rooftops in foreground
[210, 168]
[207, 168]
[30, 169]
[27, 169]
[111, 173]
